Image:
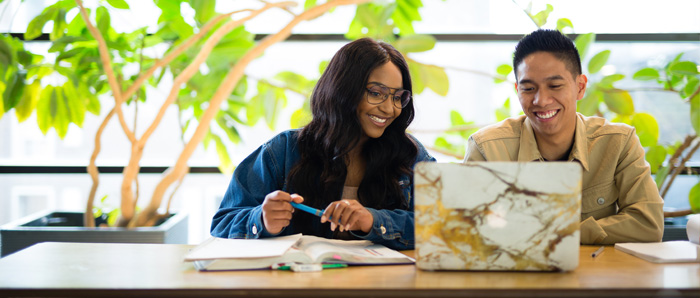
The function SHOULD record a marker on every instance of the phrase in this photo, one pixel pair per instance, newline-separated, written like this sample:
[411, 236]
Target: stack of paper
[662, 252]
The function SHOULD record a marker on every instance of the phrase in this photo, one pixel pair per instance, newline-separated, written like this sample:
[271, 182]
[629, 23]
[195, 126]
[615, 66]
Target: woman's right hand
[276, 210]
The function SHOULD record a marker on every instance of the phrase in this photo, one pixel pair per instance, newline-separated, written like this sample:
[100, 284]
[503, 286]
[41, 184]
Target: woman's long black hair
[335, 129]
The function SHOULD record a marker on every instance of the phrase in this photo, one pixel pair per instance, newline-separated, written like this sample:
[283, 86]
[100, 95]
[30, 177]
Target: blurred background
[462, 66]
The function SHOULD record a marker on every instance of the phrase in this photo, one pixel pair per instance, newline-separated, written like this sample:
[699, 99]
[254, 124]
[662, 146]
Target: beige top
[620, 201]
[349, 193]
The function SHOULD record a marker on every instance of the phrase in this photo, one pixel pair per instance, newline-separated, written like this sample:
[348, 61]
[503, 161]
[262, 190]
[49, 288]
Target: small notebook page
[222, 248]
[662, 252]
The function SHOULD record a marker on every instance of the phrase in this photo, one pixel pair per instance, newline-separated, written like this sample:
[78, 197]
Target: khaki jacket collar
[528, 144]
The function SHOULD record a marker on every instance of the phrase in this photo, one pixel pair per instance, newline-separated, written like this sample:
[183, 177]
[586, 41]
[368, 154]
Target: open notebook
[245, 254]
[498, 216]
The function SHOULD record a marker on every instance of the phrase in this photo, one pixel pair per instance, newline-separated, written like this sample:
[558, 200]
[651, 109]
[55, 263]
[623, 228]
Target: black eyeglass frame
[395, 90]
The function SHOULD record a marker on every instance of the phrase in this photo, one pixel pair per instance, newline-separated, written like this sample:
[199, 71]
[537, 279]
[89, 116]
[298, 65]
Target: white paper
[662, 252]
[693, 228]
[221, 248]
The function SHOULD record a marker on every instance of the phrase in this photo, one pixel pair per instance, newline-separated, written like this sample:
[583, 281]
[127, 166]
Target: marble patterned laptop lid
[503, 216]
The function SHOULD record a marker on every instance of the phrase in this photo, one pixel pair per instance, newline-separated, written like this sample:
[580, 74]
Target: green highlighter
[308, 267]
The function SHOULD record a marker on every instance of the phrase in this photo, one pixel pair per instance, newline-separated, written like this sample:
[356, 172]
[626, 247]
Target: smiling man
[620, 201]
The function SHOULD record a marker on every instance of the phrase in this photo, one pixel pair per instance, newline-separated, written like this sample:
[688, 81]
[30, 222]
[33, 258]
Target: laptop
[501, 216]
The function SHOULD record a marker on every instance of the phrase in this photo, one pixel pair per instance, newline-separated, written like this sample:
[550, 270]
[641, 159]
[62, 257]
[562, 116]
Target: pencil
[597, 252]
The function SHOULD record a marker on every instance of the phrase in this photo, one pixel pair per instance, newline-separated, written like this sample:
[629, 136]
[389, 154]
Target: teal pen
[308, 209]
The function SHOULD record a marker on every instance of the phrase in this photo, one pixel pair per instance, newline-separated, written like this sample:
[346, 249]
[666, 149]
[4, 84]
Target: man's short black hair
[550, 41]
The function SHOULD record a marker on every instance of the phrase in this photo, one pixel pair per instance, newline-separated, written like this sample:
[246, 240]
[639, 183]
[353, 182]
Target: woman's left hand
[348, 215]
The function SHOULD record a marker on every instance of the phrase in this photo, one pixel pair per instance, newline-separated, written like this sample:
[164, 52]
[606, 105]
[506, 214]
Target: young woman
[354, 160]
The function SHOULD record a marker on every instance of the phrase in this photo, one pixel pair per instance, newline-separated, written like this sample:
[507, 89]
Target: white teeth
[546, 115]
[377, 119]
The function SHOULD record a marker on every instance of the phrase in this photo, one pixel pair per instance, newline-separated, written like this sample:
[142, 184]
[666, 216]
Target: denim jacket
[265, 170]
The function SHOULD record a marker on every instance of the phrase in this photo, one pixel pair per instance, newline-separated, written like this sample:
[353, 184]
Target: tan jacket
[620, 201]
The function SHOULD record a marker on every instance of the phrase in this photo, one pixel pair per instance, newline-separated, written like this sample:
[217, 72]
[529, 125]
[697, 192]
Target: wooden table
[111, 270]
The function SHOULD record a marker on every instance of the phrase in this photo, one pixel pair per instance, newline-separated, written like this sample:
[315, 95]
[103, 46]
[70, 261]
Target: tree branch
[677, 169]
[177, 51]
[477, 72]
[89, 216]
[224, 89]
[457, 128]
[444, 152]
[529, 15]
[107, 65]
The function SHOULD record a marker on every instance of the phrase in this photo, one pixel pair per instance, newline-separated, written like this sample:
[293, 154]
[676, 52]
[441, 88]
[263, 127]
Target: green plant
[92, 58]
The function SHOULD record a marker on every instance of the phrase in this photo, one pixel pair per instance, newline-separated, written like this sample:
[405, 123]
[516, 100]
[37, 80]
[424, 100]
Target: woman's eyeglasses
[378, 93]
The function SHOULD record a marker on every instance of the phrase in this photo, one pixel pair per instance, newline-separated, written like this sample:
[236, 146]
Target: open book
[242, 254]
[662, 252]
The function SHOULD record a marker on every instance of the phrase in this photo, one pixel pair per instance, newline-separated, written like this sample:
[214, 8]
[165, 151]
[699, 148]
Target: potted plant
[93, 59]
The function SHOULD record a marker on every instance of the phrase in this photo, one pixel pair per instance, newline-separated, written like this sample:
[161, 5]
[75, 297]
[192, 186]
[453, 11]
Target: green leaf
[656, 156]
[27, 58]
[694, 198]
[444, 144]
[583, 43]
[661, 175]
[646, 74]
[619, 101]
[564, 23]
[322, 66]
[93, 104]
[5, 53]
[598, 61]
[415, 43]
[2, 108]
[59, 25]
[456, 118]
[437, 79]
[405, 14]
[75, 104]
[274, 105]
[36, 25]
[294, 81]
[45, 110]
[61, 43]
[504, 111]
[608, 81]
[14, 88]
[112, 216]
[119, 4]
[541, 17]
[103, 21]
[684, 68]
[647, 129]
[30, 98]
[254, 110]
[588, 105]
[309, 3]
[69, 54]
[695, 113]
[417, 80]
[691, 87]
[225, 164]
[622, 119]
[503, 70]
[371, 20]
[300, 118]
[204, 10]
[226, 124]
[63, 116]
